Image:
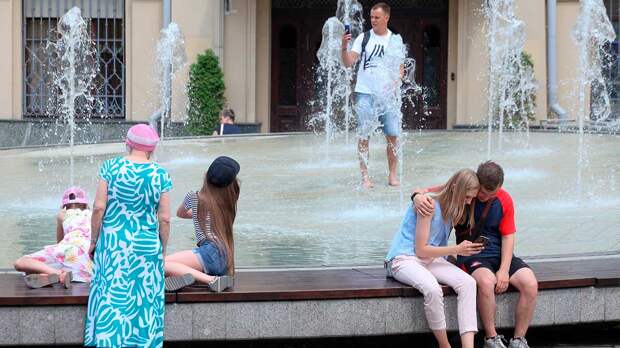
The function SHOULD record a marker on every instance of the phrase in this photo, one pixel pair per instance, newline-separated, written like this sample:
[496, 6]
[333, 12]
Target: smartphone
[482, 239]
[347, 29]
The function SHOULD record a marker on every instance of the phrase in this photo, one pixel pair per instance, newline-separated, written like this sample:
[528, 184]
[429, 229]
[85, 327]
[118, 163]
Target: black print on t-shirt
[377, 52]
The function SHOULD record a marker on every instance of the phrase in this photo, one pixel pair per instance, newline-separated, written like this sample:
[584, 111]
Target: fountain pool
[299, 209]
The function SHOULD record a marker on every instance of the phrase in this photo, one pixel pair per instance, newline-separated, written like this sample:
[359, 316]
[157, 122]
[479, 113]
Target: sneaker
[36, 281]
[518, 342]
[221, 283]
[495, 342]
[178, 282]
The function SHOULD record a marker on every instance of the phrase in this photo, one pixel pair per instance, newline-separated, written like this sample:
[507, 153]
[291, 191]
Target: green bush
[205, 92]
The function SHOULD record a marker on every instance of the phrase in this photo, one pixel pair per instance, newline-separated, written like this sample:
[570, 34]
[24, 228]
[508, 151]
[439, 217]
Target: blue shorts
[371, 115]
[212, 260]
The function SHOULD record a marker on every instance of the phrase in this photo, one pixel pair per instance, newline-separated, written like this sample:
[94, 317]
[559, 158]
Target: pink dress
[71, 254]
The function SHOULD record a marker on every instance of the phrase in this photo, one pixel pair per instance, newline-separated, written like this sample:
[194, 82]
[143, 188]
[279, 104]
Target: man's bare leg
[485, 279]
[392, 156]
[525, 281]
[362, 152]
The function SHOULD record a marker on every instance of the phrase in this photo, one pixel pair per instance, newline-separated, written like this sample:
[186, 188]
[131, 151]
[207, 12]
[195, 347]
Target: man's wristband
[413, 195]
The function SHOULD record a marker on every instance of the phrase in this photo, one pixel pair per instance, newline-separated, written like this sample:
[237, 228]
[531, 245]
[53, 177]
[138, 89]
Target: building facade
[267, 49]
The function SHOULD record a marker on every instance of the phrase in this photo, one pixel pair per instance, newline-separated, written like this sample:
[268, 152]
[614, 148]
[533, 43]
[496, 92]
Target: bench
[272, 303]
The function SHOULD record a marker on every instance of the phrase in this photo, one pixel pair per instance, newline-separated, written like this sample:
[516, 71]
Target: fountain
[332, 76]
[171, 58]
[295, 213]
[511, 87]
[335, 81]
[591, 34]
[73, 69]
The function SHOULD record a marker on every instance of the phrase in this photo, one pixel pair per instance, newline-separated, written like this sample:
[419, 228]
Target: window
[612, 72]
[107, 30]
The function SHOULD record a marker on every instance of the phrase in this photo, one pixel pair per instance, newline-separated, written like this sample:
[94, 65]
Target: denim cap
[223, 171]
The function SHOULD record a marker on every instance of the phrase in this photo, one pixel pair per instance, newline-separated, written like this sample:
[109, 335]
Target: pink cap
[74, 194]
[142, 138]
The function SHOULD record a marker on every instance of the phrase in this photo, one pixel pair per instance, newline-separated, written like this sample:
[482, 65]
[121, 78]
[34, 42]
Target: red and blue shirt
[500, 222]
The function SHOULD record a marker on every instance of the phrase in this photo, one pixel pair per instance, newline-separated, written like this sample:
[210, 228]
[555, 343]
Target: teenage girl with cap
[68, 259]
[213, 210]
[130, 228]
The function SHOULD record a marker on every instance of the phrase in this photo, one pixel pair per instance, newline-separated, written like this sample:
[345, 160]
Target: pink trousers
[425, 274]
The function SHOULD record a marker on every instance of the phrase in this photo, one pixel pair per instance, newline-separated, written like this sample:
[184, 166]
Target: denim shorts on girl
[212, 260]
[372, 114]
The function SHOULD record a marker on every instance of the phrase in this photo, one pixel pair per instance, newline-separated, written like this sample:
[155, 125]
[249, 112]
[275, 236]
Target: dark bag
[465, 233]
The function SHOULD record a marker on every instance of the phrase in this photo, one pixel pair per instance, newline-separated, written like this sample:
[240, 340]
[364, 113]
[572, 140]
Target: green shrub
[205, 92]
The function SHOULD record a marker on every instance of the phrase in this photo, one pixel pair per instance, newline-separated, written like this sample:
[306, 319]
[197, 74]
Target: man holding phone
[375, 88]
[495, 267]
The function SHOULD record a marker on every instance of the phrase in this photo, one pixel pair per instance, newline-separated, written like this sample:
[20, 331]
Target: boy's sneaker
[495, 342]
[221, 283]
[177, 283]
[518, 342]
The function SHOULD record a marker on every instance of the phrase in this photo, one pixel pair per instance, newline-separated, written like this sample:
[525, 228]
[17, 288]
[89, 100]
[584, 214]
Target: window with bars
[107, 30]
[613, 70]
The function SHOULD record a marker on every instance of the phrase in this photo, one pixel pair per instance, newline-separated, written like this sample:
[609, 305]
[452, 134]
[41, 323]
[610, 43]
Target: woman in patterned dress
[132, 211]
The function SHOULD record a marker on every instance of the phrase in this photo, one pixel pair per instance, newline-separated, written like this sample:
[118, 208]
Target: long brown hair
[452, 197]
[221, 204]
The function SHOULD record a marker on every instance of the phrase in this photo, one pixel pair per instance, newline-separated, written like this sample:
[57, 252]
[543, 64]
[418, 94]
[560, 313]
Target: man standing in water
[377, 94]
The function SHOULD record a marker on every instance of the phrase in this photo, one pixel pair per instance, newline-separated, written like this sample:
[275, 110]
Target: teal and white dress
[126, 299]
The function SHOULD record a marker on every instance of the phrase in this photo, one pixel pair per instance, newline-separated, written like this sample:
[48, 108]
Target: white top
[380, 63]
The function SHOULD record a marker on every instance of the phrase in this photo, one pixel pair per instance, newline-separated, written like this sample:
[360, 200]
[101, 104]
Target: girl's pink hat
[142, 138]
[74, 194]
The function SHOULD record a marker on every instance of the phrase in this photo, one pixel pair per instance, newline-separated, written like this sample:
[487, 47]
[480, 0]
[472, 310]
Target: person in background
[227, 124]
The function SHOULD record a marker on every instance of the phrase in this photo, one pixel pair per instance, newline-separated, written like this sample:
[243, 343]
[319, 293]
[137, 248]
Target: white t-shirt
[374, 70]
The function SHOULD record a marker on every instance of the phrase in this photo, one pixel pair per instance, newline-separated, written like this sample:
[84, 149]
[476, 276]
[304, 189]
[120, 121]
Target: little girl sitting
[68, 260]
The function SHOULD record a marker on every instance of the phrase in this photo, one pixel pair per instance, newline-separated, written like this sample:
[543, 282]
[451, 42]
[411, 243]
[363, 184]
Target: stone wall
[16, 133]
[29, 325]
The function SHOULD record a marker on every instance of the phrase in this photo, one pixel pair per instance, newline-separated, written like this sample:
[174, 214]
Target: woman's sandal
[178, 282]
[68, 279]
[221, 283]
[36, 281]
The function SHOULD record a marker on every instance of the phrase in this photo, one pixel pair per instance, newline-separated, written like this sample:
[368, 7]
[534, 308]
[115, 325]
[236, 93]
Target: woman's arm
[184, 213]
[101, 201]
[163, 216]
[422, 232]
[422, 249]
[60, 233]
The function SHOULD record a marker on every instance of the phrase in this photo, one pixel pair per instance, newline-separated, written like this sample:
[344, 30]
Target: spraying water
[333, 77]
[511, 88]
[592, 33]
[171, 58]
[73, 70]
[393, 79]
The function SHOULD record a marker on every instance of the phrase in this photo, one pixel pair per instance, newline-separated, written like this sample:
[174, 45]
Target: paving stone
[208, 321]
[69, 324]
[9, 325]
[36, 325]
[178, 322]
[592, 303]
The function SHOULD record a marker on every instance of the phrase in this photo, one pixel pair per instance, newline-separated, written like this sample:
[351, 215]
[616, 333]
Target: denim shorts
[213, 261]
[371, 115]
